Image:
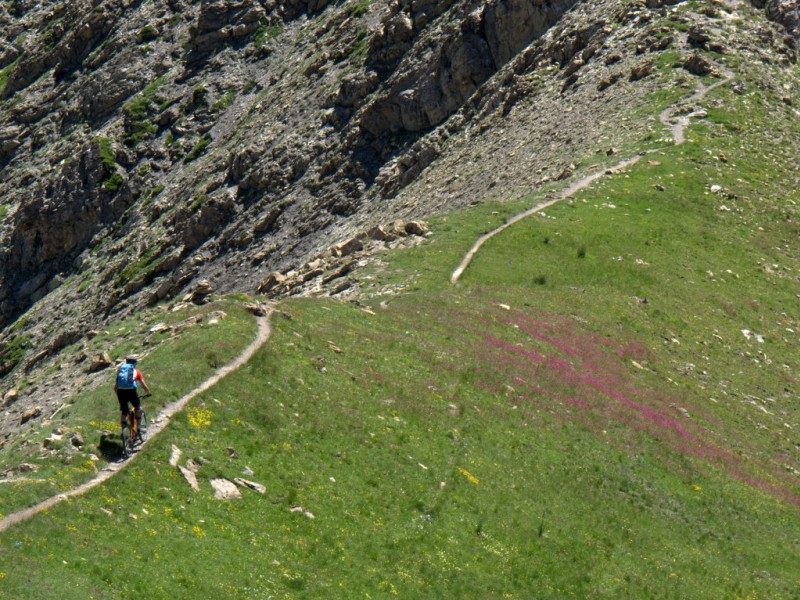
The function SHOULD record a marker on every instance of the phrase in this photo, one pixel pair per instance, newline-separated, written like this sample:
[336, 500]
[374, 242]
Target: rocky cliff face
[145, 146]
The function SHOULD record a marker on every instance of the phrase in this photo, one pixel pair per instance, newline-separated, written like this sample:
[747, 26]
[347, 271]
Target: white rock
[252, 485]
[175, 456]
[225, 490]
[190, 477]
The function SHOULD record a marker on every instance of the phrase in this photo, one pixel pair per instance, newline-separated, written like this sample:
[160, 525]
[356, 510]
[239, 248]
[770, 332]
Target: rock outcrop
[785, 12]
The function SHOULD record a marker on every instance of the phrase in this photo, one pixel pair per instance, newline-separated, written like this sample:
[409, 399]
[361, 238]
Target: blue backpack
[126, 377]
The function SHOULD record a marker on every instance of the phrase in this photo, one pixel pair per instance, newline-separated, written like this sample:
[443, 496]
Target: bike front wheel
[143, 427]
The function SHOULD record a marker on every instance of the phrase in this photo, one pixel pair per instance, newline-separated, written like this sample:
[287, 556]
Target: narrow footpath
[676, 126]
[157, 425]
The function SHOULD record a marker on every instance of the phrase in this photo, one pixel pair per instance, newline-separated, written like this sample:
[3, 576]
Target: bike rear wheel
[127, 445]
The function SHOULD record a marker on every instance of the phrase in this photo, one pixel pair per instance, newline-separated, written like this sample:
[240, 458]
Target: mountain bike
[134, 435]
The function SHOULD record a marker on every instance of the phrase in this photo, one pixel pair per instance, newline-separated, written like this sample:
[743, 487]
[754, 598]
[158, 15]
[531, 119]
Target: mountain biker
[126, 386]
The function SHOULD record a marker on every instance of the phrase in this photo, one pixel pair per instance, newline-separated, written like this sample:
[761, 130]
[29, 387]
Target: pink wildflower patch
[557, 363]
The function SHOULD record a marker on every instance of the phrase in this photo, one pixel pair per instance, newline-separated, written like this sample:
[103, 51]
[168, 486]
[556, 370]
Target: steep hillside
[600, 403]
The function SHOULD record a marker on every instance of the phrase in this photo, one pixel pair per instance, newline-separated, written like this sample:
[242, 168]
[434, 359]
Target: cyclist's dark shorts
[126, 396]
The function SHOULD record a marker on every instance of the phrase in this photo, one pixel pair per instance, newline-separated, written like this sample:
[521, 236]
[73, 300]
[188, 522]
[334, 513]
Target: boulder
[21, 468]
[220, 20]
[697, 64]
[417, 228]
[52, 442]
[9, 398]
[275, 278]
[9, 140]
[355, 88]
[99, 362]
[204, 287]
[698, 36]
[566, 173]
[257, 309]
[641, 71]
[175, 456]
[225, 489]
[30, 414]
[347, 248]
[379, 233]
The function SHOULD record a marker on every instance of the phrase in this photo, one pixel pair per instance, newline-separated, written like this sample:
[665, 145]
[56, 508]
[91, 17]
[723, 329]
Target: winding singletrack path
[158, 424]
[677, 127]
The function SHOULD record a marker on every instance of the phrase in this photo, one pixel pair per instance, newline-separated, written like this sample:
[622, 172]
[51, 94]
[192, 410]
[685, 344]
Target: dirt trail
[678, 134]
[158, 424]
[678, 128]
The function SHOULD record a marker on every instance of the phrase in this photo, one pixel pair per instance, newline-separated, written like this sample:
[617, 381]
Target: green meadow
[604, 406]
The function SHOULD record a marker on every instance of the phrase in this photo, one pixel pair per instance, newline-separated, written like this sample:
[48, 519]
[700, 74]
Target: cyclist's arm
[140, 378]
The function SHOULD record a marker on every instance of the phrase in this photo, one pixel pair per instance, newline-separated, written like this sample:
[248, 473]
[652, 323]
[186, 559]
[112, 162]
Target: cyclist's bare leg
[137, 418]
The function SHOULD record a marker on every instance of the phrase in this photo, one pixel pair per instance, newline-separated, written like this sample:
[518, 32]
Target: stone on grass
[175, 457]
[256, 308]
[300, 509]
[417, 228]
[225, 489]
[251, 485]
[190, 477]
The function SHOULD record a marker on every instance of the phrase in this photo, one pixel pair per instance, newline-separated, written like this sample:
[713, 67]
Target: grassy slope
[537, 431]
[174, 361]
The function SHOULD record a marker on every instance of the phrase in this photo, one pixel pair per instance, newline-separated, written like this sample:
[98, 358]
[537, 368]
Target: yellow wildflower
[200, 417]
[470, 477]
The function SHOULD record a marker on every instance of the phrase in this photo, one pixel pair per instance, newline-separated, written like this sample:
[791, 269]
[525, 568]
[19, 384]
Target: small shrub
[150, 195]
[265, 33]
[112, 183]
[198, 149]
[107, 155]
[582, 252]
[199, 96]
[12, 352]
[108, 158]
[360, 48]
[138, 124]
[5, 73]
[198, 201]
[147, 34]
[359, 8]
[224, 101]
[140, 269]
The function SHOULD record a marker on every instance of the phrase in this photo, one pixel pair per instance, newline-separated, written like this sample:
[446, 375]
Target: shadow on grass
[110, 446]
